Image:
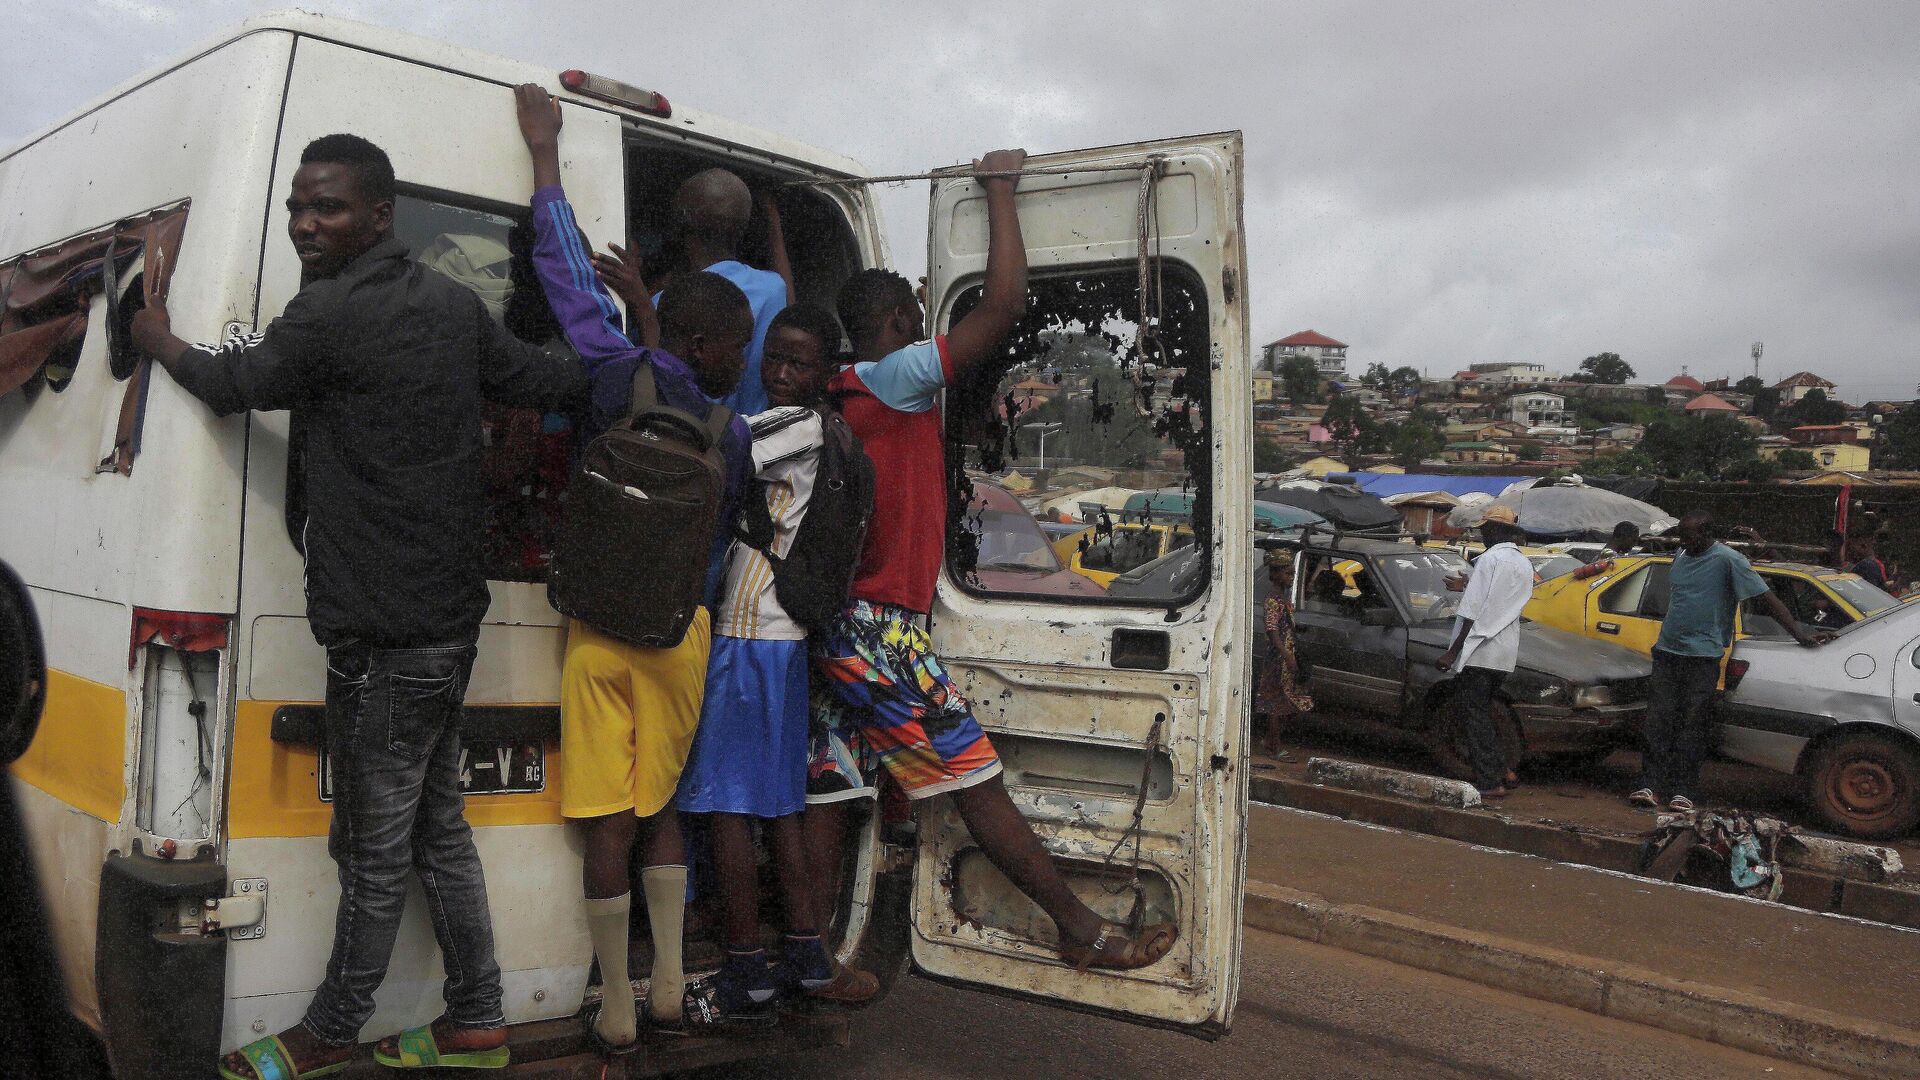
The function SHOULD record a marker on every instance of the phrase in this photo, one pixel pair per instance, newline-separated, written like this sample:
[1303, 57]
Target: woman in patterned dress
[1282, 693]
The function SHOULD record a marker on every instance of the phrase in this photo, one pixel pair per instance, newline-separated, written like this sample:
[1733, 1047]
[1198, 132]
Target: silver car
[1845, 717]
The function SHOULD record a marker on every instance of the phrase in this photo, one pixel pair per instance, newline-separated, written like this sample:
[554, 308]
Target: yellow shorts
[627, 718]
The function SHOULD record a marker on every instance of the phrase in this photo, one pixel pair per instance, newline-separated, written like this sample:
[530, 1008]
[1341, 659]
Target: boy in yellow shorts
[628, 714]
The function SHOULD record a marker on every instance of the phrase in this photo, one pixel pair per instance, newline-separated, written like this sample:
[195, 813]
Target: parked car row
[1371, 614]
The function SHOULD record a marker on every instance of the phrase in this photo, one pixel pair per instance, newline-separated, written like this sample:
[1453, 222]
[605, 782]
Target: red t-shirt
[890, 404]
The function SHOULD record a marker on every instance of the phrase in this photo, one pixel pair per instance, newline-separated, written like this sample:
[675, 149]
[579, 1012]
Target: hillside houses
[1527, 415]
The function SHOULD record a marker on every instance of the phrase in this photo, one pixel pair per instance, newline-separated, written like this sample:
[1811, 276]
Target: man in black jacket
[383, 364]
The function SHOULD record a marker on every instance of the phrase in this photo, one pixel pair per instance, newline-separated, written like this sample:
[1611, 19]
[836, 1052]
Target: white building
[1538, 409]
[1328, 355]
[1512, 372]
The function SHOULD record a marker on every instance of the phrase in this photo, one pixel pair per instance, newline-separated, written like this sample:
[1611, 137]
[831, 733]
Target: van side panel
[93, 546]
[166, 537]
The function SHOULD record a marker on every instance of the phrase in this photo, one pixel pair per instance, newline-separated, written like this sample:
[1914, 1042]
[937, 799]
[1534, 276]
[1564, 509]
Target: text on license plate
[487, 767]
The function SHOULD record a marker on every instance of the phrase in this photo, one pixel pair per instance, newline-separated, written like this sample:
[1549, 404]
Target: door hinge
[1229, 285]
[242, 916]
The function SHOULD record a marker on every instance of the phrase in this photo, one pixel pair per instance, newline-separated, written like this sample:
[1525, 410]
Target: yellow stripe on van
[79, 754]
[274, 789]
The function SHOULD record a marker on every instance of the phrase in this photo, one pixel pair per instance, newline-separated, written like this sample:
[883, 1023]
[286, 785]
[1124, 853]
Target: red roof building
[1823, 434]
[1687, 383]
[1329, 356]
[1795, 386]
[1711, 403]
[1315, 337]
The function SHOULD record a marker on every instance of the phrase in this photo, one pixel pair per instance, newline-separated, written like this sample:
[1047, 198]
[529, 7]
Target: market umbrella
[1565, 511]
[1349, 508]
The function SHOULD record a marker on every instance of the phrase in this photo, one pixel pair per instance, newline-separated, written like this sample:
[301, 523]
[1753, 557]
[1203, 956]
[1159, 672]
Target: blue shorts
[750, 752]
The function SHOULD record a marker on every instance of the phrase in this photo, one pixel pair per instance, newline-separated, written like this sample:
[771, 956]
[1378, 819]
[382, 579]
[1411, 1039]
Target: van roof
[496, 69]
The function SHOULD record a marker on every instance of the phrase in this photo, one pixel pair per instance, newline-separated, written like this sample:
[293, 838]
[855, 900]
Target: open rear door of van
[1118, 710]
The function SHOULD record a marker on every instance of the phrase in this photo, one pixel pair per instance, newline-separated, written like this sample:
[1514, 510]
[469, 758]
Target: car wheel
[1866, 785]
[1447, 742]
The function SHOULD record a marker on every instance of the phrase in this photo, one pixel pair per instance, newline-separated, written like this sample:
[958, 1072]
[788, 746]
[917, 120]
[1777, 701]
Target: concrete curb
[1397, 783]
[1729, 1017]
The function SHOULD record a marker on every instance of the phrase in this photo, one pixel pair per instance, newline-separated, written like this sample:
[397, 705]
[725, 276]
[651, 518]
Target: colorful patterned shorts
[883, 699]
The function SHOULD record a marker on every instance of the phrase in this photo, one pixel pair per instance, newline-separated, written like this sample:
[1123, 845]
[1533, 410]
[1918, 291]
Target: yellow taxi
[1101, 558]
[1626, 601]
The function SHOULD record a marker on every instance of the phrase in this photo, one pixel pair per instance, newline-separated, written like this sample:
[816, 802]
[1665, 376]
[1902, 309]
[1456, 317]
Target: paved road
[1305, 1011]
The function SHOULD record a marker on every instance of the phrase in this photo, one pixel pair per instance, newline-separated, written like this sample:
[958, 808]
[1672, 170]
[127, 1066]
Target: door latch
[242, 916]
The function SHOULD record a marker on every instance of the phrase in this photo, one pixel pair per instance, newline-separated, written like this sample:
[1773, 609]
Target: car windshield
[1420, 578]
[1861, 593]
[1549, 567]
[1010, 541]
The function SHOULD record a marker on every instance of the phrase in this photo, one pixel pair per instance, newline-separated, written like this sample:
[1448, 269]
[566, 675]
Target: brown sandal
[1107, 952]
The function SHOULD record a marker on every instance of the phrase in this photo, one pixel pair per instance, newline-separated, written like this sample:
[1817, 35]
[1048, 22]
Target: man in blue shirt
[1709, 580]
[712, 209]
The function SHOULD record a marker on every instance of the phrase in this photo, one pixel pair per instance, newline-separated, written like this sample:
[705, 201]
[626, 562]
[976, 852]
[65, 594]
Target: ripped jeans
[393, 737]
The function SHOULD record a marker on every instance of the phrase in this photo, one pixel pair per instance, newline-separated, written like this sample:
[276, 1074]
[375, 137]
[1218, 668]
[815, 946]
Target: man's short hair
[715, 205]
[1698, 519]
[810, 319]
[869, 297]
[371, 167]
[1626, 529]
[703, 303]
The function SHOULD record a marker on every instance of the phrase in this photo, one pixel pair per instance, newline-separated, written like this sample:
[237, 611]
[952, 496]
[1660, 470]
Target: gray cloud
[1435, 184]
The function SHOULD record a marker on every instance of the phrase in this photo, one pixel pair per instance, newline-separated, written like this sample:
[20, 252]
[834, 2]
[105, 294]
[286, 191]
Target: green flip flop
[271, 1061]
[419, 1051]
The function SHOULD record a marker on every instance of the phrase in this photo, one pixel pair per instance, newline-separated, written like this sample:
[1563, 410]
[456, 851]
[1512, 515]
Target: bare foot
[303, 1046]
[452, 1038]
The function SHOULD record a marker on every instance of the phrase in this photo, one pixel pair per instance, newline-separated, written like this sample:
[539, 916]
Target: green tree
[1750, 386]
[1529, 452]
[1375, 377]
[1416, 439]
[1899, 439]
[1754, 470]
[1301, 379]
[1269, 456]
[1626, 463]
[1351, 428]
[1816, 408]
[1766, 402]
[1796, 460]
[1606, 368]
[1402, 382]
[1707, 445]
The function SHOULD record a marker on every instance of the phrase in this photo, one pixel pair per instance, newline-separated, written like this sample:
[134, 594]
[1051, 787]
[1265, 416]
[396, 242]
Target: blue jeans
[393, 735]
[1679, 713]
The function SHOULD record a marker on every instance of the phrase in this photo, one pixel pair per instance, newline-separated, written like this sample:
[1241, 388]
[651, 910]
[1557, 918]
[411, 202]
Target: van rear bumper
[161, 990]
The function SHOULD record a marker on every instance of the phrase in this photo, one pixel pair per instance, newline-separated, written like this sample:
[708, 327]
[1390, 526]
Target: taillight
[1736, 670]
[599, 86]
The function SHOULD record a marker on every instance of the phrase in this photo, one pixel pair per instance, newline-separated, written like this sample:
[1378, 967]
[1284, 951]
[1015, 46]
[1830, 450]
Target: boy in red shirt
[890, 699]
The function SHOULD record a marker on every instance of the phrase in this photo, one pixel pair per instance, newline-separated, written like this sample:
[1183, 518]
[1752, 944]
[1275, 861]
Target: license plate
[487, 767]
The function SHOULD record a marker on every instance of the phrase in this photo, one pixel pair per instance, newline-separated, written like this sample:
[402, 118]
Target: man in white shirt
[1486, 643]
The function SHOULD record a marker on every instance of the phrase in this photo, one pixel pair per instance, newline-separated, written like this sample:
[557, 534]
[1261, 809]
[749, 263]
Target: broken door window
[1088, 417]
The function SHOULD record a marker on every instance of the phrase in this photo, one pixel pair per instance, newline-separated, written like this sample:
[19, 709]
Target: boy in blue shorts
[749, 757]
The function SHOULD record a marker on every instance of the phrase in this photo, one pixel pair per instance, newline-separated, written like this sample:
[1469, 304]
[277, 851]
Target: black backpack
[636, 534]
[813, 579]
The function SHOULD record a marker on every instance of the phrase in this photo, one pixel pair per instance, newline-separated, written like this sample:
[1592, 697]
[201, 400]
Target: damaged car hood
[1553, 652]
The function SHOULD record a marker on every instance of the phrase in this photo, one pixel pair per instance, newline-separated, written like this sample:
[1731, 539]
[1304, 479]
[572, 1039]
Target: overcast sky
[1433, 183]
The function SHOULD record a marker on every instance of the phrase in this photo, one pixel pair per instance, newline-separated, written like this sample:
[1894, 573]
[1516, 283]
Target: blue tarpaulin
[1385, 484]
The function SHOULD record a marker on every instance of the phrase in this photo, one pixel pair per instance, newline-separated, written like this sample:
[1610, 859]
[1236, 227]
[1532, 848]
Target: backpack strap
[719, 418]
[646, 395]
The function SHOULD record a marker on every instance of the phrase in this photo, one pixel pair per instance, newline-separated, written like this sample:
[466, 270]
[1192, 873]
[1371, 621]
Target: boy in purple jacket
[628, 714]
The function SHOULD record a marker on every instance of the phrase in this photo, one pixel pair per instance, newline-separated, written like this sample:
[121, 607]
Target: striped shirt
[786, 455]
